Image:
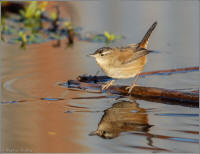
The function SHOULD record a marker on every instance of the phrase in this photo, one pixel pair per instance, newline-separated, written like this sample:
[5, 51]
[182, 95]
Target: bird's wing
[133, 45]
[140, 52]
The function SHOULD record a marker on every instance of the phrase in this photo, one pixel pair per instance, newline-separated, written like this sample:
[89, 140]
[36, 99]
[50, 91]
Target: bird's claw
[107, 85]
[129, 89]
[104, 87]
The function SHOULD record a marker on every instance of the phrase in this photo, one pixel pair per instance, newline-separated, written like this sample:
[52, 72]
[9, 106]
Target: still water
[38, 115]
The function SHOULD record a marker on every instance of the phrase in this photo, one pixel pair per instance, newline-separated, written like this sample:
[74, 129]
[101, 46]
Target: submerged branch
[145, 93]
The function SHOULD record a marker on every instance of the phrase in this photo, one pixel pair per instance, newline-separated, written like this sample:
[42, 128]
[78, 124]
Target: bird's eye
[102, 54]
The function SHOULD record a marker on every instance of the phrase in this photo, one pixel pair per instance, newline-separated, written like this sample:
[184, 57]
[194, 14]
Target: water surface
[38, 115]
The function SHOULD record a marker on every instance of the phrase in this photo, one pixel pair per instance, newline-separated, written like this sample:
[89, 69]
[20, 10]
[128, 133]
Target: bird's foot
[104, 87]
[107, 85]
[130, 88]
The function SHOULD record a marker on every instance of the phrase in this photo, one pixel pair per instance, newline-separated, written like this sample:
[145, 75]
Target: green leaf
[31, 9]
[107, 34]
[53, 16]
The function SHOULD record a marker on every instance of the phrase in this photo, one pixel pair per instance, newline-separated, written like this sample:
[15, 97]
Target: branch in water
[145, 93]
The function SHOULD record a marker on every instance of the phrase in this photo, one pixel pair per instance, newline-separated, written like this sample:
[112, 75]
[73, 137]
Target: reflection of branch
[149, 138]
[164, 137]
[146, 93]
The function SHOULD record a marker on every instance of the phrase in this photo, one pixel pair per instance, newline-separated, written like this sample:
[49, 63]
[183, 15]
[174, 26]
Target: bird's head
[103, 55]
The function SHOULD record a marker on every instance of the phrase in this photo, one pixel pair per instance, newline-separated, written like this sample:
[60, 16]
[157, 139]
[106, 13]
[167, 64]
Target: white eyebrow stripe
[106, 52]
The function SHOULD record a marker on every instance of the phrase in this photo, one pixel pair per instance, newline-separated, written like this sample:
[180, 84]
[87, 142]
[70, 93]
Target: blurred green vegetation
[2, 28]
[32, 15]
[23, 39]
[28, 26]
[111, 37]
[34, 10]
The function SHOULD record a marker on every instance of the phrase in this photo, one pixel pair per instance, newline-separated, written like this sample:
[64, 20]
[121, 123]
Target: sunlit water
[38, 115]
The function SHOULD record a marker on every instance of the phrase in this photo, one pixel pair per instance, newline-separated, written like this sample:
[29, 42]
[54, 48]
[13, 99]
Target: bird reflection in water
[123, 116]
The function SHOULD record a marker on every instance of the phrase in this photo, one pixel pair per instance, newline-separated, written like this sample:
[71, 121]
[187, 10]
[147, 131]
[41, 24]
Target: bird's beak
[91, 55]
[93, 133]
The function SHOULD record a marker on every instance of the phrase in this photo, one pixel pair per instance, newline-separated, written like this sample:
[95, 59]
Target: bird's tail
[145, 39]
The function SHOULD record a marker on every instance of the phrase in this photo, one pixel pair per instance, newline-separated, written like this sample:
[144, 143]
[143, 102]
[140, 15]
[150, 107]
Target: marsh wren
[123, 62]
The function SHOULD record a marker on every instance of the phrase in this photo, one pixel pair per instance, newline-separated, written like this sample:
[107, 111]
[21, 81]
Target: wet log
[145, 93]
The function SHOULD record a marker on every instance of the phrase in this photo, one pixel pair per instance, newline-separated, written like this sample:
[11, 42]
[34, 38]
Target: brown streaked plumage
[124, 62]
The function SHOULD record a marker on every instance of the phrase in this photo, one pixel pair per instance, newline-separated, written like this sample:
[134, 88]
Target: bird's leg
[107, 85]
[133, 85]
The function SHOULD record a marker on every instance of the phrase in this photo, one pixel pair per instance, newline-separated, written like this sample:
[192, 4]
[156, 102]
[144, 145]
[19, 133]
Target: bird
[124, 62]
